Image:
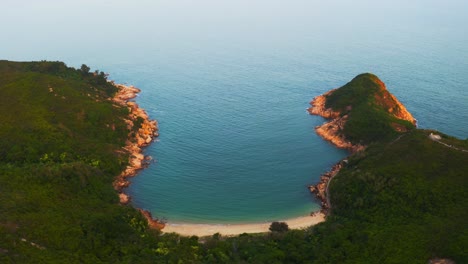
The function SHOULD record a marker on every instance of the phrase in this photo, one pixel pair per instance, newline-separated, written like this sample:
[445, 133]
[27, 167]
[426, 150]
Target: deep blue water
[229, 83]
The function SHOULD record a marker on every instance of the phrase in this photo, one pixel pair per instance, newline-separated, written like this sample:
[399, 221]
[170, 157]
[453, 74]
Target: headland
[353, 111]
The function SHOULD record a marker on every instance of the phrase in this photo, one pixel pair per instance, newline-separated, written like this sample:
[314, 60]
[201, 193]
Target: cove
[231, 149]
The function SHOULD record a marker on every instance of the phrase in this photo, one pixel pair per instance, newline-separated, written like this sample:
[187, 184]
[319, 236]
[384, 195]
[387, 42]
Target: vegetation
[279, 227]
[400, 201]
[60, 150]
[369, 106]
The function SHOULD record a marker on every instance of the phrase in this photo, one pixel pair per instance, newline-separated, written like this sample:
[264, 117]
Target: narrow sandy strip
[237, 229]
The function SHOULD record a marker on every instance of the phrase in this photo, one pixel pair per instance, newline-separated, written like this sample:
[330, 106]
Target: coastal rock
[125, 93]
[332, 130]
[124, 199]
[152, 223]
[137, 138]
[321, 188]
[318, 106]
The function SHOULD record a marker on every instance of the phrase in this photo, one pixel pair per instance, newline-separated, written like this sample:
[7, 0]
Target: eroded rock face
[393, 106]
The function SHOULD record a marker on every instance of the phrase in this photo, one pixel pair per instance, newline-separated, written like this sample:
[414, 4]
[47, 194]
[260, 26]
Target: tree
[85, 69]
[279, 227]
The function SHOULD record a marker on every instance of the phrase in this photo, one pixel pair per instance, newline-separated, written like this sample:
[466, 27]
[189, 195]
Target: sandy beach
[237, 229]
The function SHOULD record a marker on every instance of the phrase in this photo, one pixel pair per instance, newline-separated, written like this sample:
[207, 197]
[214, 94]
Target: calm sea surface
[230, 81]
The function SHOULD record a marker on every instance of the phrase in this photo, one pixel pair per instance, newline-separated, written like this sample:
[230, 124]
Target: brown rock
[124, 199]
[152, 223]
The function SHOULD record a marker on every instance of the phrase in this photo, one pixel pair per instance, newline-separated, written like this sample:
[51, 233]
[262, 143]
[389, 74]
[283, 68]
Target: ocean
[229, 83]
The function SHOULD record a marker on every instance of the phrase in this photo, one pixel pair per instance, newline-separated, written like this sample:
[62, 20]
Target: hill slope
[362, 111]
[61, 139]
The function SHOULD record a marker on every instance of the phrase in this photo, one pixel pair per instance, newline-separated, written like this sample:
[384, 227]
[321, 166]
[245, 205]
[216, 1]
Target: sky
[58, 26]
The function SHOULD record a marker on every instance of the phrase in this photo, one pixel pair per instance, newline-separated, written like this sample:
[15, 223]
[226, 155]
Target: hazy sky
[53, 25]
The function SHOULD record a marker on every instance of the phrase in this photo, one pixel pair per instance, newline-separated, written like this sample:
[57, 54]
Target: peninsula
[361, 112]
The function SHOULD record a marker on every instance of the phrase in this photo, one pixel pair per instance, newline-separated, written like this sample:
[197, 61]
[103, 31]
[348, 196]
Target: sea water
[229, 83]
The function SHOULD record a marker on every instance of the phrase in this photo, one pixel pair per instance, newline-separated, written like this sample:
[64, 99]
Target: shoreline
[136, 141]
[331, 132]
[145, 135]
[200, 230]
[320, 190]
[331, 129]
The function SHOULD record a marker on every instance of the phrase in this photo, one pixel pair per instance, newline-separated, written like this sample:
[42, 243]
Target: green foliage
[60, 142]
[403, 201]
[369, 106]
[279, 227]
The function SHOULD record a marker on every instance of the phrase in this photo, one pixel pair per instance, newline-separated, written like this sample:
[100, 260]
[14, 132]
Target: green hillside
[403, 200]
[60, 150]
[374, 114]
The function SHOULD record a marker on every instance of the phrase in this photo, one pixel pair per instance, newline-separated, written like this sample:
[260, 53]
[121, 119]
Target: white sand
[237, 229]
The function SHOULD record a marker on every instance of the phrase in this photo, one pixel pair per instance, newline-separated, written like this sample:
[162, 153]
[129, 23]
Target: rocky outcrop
[321, 188]
[137, 138]
[332, 130]
[390, 103]
[318, 107]
[125, 93]
[124, 198]
[152, 223]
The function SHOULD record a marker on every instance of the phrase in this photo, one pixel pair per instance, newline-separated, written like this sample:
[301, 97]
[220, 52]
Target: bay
[229, 83]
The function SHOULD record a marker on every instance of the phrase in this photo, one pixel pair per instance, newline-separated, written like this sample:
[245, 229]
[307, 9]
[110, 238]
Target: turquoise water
[229, 83]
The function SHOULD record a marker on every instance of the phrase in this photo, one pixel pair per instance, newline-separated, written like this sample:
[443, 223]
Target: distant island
[69, 138]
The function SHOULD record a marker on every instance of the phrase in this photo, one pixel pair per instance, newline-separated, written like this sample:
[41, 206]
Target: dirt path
[449, 146]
